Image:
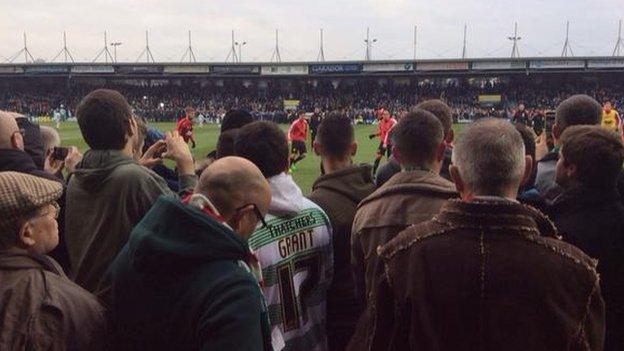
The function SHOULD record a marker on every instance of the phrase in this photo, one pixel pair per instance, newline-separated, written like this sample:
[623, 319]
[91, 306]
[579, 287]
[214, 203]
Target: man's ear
[397, 154]
[24, 236]
[571, 171]
[528, 169]
[240, 222]
[459, 182]
[450, 136]
[441, 151]
[555, 131]
[133, 130]
[17, 141]
[317, 148]
[353, 148]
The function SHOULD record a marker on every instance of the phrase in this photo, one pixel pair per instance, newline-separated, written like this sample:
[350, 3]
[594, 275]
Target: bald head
[8, 130]
[231, 182]
[489, 157]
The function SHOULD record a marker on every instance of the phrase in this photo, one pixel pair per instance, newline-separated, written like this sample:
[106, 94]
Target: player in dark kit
[185, 125]
[315, 122]
[521, 116]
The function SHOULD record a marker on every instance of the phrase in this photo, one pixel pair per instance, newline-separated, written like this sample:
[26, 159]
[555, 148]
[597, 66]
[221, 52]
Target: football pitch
[206, 137]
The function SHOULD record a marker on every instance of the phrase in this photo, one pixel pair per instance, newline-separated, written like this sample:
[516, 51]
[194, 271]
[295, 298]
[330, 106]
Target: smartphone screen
[60, 153]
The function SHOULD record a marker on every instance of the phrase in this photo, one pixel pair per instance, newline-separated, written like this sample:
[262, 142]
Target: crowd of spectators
[484, 240]
[358, 99]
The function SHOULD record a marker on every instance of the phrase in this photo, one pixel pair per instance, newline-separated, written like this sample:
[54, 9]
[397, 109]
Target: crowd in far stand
[358, 100]
[486, 240]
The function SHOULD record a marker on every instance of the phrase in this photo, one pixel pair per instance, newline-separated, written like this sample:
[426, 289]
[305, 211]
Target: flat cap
[22, 193]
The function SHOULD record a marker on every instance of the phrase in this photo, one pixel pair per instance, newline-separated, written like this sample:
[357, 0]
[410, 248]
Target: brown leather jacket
[484, 275]
[41, 309]
[407, 198]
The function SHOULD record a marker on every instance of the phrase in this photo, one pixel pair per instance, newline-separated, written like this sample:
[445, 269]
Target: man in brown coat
[40, 308]
[409, 197]
[486, 273]
[338, 191]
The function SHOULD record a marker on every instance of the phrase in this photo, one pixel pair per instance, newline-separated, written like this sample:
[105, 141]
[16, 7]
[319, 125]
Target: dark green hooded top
[180, 283]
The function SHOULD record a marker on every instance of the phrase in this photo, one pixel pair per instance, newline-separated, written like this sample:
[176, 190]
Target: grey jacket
[545, 180]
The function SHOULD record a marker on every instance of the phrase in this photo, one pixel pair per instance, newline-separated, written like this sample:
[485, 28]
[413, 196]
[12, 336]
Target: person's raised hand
[178, 151]
[52, 165]
[72, 159]
[153, 155]
[541, 146]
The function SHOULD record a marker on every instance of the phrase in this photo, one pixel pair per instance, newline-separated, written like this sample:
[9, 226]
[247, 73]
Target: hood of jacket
[97, 166]
[175, 238]
[354, 182]
[286, 196]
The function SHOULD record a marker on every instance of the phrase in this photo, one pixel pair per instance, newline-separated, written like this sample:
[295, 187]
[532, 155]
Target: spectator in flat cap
[41, 308]
[13, 157]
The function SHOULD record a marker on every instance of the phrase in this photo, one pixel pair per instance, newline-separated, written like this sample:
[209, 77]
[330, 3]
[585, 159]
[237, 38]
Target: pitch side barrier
[346, 68]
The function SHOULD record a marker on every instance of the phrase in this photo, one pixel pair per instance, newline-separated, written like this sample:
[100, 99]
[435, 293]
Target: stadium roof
[331, 68]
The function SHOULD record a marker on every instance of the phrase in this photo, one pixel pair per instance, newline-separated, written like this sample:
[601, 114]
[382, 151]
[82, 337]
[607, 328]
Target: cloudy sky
[593, 27]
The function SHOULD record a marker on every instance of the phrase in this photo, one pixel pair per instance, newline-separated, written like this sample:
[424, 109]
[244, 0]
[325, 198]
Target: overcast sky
[593, 27]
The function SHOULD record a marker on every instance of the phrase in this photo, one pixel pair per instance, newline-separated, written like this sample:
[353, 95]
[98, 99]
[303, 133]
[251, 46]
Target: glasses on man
[257, 212]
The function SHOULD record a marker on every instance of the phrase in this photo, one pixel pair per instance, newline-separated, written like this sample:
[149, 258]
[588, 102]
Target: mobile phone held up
[60, 153]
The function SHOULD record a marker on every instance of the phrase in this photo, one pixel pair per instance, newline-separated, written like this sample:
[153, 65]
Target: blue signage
[336, 68]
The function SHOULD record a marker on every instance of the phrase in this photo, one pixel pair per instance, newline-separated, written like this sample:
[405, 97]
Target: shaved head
[231, 182]
[8, 127]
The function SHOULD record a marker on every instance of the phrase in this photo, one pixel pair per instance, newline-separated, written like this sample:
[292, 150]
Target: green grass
[307, 170]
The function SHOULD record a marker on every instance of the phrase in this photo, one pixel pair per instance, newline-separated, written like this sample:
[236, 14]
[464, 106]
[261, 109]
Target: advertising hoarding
[284, 70]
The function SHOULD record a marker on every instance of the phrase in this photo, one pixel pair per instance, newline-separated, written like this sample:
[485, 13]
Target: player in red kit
[185, 125]
[386, 122]
[297, 134]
